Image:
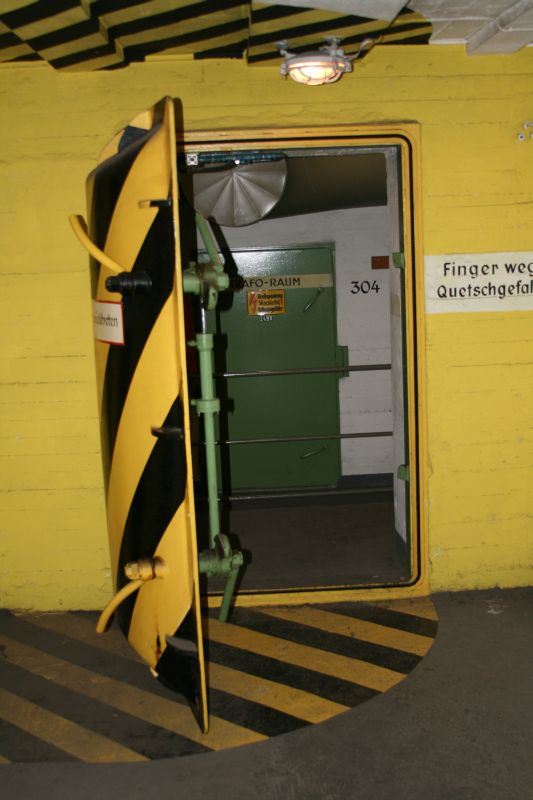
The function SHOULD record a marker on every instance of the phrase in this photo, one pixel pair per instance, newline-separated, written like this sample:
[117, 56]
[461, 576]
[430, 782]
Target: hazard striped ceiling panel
[307, 28]
[106, 34]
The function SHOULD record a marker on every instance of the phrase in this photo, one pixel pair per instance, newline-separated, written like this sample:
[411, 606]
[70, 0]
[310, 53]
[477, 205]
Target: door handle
[313, 300]
[79, 226]
[315, 452]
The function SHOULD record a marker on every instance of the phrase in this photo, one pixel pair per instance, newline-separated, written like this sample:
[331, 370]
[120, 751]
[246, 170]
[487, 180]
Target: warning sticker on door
[108, 322]
[271, 301]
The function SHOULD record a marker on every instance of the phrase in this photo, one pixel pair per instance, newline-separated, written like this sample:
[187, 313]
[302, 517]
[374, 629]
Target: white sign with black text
[479, 282]
[108, 322]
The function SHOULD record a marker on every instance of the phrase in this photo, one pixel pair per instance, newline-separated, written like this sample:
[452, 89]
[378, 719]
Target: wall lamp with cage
[325, 65]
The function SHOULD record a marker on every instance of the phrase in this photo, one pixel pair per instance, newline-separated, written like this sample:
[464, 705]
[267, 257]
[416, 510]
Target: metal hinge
[403, 472]
[342, 359]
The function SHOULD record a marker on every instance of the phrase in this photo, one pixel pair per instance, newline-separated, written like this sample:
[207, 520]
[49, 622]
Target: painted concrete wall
[477, 197]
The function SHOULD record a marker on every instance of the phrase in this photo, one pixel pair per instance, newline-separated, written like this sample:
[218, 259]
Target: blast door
[143, 400]
[278, 350]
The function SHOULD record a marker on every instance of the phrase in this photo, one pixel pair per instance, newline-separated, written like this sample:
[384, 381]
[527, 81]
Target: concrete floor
[459, 726]
[336, 540]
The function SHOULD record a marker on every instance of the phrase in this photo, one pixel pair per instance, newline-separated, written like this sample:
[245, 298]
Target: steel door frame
[405, 137]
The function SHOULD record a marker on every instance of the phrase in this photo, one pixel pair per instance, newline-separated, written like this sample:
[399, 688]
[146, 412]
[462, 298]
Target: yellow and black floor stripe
[67, 694]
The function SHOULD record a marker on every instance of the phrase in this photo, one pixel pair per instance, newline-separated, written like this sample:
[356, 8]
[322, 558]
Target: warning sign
[479, 282]
[108, 322]
[271, 301]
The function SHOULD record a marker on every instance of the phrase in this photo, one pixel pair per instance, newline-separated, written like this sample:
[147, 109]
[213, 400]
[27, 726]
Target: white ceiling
[485, 26]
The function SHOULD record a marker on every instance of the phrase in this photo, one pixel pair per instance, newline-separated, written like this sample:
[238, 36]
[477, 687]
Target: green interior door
[280, 316]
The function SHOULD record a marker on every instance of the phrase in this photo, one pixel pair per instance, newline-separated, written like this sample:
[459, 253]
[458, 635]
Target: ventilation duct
[238, 189]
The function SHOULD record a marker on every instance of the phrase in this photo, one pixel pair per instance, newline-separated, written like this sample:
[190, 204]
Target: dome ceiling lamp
[325, 65]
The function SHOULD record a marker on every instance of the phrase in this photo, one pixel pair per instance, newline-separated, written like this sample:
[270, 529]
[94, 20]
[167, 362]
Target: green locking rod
[209, 242]
[230, 588]
[208, 405]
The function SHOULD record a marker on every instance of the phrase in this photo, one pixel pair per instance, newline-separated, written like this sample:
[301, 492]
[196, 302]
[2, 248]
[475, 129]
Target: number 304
[364, 287]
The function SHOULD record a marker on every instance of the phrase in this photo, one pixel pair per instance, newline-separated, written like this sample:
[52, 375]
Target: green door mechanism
[206, 280]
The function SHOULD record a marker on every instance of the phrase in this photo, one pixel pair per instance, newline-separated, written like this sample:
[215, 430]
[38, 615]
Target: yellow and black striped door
[143, 396]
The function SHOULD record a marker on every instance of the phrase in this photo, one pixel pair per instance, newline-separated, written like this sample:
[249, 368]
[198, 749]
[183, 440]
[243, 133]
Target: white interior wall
[363, 319]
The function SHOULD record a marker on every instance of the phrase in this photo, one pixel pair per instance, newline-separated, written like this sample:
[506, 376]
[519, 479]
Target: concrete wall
[477, 197]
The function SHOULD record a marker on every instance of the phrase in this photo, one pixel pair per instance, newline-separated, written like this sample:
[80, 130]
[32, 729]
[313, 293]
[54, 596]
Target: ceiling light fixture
[325, 65]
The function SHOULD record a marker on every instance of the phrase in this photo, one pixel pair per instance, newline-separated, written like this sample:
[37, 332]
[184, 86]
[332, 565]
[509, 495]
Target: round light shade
[240, 195]
[323, 66]
[316, 69]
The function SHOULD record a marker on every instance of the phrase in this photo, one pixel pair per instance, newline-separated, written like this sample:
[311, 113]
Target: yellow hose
[79, 226]
[109, 610]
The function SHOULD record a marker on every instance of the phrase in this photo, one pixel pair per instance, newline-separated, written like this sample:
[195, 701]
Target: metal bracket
[342, 359]
[398, 259]
[206, 406]
[206, 281]
[221, 561]
[403, 472]
[168, 433]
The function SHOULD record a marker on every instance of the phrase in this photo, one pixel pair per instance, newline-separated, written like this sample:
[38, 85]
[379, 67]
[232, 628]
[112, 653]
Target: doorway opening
[315, 356]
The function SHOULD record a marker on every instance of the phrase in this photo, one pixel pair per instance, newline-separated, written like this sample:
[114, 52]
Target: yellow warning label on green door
[271, 301]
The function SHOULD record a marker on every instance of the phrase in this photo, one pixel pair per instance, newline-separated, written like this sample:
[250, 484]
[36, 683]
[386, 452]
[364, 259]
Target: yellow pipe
[111, 607]
[79, 226]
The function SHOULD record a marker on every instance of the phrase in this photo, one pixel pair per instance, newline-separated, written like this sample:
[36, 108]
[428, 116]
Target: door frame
[406, 138]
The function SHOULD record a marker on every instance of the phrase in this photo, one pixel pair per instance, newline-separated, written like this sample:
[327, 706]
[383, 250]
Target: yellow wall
[477, 183]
